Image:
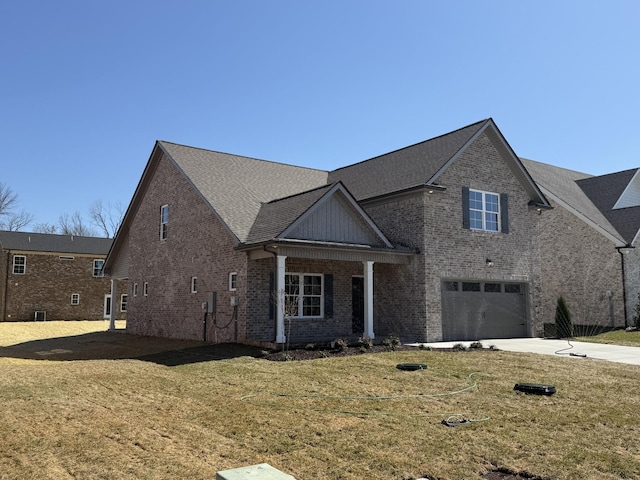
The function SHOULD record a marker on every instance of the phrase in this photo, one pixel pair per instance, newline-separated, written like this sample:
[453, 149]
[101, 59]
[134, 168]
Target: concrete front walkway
[564, 348]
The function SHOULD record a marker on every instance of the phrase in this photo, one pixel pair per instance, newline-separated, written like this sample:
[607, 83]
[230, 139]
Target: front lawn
[616, 337]
[137, 410]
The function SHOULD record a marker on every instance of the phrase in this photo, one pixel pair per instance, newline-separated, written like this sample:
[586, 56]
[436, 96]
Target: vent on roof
[40, 316]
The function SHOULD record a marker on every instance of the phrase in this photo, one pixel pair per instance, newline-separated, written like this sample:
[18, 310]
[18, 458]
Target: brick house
[591, 236]
[447, 239]
[54, 277]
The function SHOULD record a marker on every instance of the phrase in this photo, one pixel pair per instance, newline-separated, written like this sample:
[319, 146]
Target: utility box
[262, 471]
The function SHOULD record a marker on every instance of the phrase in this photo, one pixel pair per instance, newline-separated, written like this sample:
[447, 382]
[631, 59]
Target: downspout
[623, 251]
[6, 288]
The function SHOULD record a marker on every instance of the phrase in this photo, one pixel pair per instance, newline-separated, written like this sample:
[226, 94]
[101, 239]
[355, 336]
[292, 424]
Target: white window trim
[100, 271]
[145, 289]
[484, 211]
[194, 284]
[301, 297]
[164, 224]
[123, 302]
[233, 281]
[135, 289]
[75, 296]
[24, 265]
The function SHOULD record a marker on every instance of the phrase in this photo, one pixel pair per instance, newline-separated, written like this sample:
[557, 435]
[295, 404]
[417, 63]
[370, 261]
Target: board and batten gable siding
[335, 220]
[197, 245]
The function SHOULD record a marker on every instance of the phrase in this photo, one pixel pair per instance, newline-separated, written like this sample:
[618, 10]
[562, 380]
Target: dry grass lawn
[82, 403]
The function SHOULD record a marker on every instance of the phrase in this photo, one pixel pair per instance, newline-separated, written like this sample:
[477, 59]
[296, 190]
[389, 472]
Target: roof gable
[235, 187]
[630, 197]
[329, 214]
[616, 196]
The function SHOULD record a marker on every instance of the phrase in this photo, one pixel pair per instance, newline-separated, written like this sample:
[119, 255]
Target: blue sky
[86, 87]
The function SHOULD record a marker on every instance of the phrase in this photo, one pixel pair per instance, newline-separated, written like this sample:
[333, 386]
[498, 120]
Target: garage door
[475, 310]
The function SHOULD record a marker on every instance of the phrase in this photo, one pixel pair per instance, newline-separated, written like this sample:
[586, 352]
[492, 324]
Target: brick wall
[48, 284]
[408, 300]
[197, 246]
[583, 266]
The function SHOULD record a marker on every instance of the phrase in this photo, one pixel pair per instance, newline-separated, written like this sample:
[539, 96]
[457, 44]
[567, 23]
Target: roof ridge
[556, 166]
[413, 144]
[240, 156]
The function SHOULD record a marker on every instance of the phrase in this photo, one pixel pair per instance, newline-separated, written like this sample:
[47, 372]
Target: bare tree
[74, 225]
[16, 222]
[108, 218]
[8, 219]
[45, 228]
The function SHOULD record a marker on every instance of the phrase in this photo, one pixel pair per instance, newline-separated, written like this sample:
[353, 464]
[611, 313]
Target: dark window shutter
[328, 296]
[272, 305]
[504, 213]
[466, 223]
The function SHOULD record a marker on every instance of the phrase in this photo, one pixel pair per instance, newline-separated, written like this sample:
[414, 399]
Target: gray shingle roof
[563, 184]
[236, 187]
[43, 242]
[274, 217]
[604, 191]
[405, 168]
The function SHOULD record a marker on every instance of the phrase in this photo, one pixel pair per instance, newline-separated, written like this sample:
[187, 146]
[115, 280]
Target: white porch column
[280, 298]
[368, 300]
[114, 304]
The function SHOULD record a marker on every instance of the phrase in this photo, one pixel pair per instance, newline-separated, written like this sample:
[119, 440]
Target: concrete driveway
[545, 346]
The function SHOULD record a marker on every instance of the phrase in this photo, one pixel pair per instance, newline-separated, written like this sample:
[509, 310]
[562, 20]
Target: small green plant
[365, 343]
[636, 317]
[392, 342]
[564, 326]
[424, 346]
[476, 345]
[310, 346]
[459, 347]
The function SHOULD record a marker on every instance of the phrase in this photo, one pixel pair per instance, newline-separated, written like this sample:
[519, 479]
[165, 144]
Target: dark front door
[357, 305]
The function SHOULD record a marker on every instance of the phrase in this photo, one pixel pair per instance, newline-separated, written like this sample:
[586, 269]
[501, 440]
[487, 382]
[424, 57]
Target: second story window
[19, 264]
[97, 268]
[194, 284]
[164, 221]
[485, 211]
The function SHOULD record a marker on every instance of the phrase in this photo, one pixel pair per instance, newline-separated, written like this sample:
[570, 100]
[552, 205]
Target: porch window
[303, 295]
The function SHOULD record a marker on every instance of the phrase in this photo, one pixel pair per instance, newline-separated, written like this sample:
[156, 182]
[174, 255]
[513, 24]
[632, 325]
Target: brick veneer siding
[583, 266]
[632, 281]
[197, 245]
[409, 297]
[48, 284]
[261, 325]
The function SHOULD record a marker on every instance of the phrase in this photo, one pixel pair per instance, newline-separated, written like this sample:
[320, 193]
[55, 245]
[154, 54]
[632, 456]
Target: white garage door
[473, 310]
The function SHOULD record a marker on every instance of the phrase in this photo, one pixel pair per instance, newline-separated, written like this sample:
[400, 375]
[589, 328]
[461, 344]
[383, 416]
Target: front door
[357, 305]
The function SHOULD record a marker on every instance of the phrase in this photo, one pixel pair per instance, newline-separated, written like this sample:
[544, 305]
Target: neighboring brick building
[442, 240]
[54, 277]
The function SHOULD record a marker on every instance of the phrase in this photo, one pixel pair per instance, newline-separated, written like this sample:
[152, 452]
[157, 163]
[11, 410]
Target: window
[303, 295]
[493, 287]
[233, 281]
[145, 289]
[164, 221]
[97, 268]
[450, 286]
[512, 288]
[194, 284]
[135, 289]
[75, 299]
[470, 287]
[123, 302]
[484, 211]
[19, 264]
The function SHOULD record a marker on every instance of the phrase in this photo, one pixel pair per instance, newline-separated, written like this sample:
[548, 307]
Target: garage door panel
[473, 315]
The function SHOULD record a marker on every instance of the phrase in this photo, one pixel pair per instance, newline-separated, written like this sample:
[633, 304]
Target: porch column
[280, 298]
[114, 303]
[368, 300]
